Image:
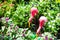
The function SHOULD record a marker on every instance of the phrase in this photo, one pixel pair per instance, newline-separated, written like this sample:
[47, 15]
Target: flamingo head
[34, 11]
[42, 20]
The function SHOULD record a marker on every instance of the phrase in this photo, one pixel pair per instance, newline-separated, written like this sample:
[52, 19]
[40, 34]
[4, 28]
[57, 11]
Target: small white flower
[41, 0]
[49, 14]
[50, 26]
[49, 23]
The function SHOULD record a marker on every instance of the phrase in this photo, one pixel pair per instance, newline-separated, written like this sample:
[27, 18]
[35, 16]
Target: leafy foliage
[18, 13]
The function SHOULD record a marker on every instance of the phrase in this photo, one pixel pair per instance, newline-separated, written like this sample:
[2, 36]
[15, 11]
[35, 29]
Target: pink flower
[23, 35]
[7, 18]
[51, 39]
[46, 37]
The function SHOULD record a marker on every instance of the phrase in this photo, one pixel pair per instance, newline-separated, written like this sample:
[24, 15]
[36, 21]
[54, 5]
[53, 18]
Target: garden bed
[15, 16]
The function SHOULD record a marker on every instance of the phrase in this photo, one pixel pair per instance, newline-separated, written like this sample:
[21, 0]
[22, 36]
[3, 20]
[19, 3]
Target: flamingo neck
[41, 24]
[40, 27]
[38, 30]
[30, 19]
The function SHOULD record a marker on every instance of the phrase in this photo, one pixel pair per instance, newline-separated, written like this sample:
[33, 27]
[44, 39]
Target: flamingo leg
[36, 35]
[38, 31]
[29, 24]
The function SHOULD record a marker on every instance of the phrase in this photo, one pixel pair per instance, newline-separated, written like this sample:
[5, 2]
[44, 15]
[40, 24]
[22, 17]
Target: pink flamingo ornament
[42, 20]
[34, 12]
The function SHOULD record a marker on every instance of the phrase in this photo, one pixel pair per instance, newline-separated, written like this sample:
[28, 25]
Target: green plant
[19, 13]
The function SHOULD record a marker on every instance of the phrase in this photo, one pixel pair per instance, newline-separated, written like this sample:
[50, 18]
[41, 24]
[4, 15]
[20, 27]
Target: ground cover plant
[14, 16]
